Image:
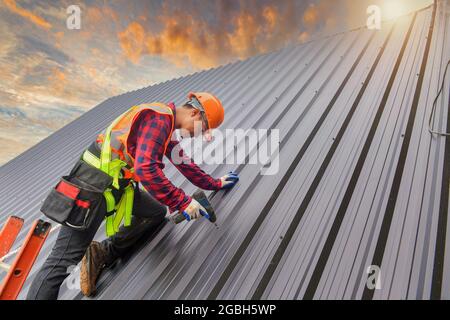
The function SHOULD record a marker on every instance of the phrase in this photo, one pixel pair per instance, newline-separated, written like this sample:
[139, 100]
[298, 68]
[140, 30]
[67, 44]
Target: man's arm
[152, 132]
[189, 169]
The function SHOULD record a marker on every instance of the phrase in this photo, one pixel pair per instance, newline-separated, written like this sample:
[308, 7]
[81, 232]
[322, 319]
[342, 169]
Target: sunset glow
[49, 74]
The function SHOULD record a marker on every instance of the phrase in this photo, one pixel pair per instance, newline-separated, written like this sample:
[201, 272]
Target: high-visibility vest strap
[115, 213]
[113, 163]
[116, 135]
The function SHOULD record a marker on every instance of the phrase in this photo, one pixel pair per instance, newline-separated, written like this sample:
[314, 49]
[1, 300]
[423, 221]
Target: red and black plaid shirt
[146, 145]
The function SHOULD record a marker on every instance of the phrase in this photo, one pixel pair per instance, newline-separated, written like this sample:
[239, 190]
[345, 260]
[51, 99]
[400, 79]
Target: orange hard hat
[212, 106]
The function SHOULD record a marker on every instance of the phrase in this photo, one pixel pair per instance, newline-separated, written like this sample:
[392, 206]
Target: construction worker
[137, 140]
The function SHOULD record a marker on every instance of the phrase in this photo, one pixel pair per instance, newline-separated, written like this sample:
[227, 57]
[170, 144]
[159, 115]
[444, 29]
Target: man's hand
[229, 181]
[194, 211]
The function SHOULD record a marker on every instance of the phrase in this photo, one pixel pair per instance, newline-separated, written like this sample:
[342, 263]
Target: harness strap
[105, 155]
[91, 159]
[123, 210]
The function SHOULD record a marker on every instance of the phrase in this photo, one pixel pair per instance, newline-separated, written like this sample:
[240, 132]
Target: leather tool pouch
[77, 198]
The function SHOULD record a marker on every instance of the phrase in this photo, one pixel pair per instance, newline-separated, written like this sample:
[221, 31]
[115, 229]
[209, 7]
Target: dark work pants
[71, 245]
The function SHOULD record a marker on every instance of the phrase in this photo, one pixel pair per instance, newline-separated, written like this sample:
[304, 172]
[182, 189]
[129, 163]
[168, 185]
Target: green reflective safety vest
[115, 159]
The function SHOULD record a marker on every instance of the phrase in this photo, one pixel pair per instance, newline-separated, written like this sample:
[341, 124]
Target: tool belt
[76, 199]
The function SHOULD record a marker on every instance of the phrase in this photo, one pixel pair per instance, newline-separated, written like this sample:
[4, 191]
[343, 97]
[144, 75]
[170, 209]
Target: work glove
[229, 181]
[194, 211]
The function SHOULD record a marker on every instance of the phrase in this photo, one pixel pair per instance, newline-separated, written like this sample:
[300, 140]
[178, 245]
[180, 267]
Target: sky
[50, 75]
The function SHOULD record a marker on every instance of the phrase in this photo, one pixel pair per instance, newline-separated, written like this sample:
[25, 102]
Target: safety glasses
[197, 105]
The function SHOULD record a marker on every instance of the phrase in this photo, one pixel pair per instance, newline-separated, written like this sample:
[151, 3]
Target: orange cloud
[311, 15]
[185, 36]
[91, 71]
[271, 16]
[177, 42]
[58, 39]
[186, 39]
[94, 14]
[111, 14]
[132, 41]
[11, 5]
[323, 16]
[100, 15]
[57, 81]
[304, 36]
[243, 39]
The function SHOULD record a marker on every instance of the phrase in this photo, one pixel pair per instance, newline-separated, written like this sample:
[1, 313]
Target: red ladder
[25, 258]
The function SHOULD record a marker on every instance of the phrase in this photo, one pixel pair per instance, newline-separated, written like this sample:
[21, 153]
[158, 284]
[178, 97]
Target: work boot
[93, 263]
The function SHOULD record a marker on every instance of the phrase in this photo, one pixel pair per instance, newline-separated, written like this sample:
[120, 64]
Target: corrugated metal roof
[361, 181]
